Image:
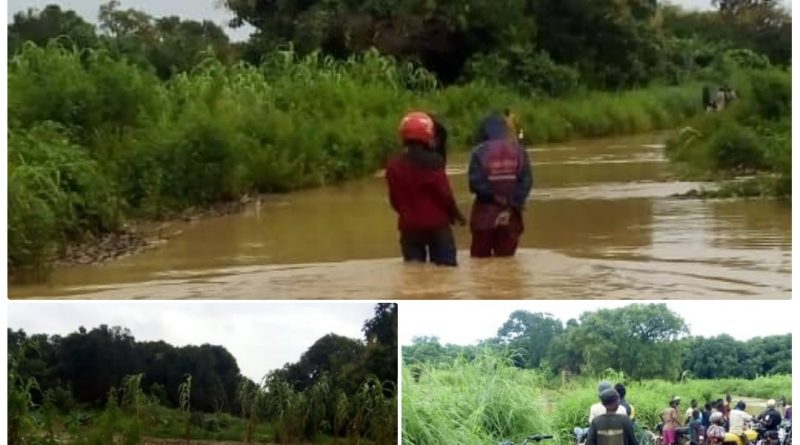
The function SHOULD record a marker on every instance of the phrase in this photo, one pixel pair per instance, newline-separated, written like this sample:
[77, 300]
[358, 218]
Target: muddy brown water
[601, 223]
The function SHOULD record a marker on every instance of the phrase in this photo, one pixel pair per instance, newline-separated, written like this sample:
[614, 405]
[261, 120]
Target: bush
[56, 193]
[530, 72]
[752, 135]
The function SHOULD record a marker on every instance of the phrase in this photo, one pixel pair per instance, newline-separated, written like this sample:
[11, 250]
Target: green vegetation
[146, 116]
[643, 341]
[101, 386]
[487, 399]
[752, 137]
[539, 375]
[80, 165]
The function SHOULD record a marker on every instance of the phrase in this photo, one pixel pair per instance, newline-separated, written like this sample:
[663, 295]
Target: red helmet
[417, 126]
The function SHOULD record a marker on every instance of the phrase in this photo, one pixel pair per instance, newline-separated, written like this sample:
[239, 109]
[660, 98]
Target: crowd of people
[500, 177]
[612, 421]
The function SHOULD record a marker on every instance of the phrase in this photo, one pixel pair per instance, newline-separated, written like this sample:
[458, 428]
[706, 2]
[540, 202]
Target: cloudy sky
[194, 9]
[262, 336]
[470, 321]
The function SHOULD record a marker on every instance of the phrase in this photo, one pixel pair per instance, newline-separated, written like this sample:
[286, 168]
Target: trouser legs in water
[436, 246]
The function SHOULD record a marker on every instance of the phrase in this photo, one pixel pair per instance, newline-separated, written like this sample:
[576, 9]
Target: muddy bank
[139, 236]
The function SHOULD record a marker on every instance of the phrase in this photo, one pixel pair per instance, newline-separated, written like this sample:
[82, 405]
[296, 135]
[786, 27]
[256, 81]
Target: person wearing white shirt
[738, 421]
[598, 409]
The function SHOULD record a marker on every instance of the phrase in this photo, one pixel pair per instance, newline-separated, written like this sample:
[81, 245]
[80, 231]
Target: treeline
[540, 47]
[642, 341]
[78, 370]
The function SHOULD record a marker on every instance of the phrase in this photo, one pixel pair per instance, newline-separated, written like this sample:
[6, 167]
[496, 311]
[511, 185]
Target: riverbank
[81, 167]
[748, 144]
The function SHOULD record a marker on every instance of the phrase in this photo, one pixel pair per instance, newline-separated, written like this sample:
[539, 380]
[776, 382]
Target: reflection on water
[601, 224]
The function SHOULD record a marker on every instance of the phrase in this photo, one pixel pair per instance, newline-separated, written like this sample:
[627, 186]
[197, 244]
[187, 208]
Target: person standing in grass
[620, 388]
[670, 421]
[501, 179]
[611, 428]
[420, 193]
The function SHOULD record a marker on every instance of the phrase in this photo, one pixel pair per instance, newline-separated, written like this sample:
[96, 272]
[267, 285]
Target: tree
[440, 35]
[168, 44]
[52, 22]
[381, 335]
[333, 355]
[531, 334]
[639, 340]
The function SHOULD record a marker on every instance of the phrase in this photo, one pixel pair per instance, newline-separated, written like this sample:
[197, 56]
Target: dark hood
[493, 127]
[423, 157]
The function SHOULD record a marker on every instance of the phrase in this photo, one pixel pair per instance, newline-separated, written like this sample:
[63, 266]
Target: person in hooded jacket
[420, 193]
[500, 177]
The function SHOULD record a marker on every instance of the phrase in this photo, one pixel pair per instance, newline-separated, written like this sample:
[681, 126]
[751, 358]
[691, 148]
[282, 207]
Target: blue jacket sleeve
[478, 182]
[525, 182]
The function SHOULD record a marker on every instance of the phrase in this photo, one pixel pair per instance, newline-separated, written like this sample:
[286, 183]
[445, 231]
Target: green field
[488, 400]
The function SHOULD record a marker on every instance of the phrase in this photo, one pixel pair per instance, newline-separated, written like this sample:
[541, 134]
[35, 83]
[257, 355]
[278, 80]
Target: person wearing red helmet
[420, 193]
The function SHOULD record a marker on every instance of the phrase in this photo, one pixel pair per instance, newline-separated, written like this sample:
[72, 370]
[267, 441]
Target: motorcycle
[735, 439]
[580, 435]
[682, 436]
[785, 433]
[530, 439]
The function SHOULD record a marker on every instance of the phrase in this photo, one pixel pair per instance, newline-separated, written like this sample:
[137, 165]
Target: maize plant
[184, 397]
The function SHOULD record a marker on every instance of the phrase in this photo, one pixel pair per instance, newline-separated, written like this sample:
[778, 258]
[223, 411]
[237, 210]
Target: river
[602, 223]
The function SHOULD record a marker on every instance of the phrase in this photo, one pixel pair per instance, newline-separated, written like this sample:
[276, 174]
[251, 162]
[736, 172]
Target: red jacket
[420, 192]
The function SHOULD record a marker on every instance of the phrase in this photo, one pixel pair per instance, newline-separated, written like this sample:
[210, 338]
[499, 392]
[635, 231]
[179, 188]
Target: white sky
[261, 336]
[196, 9]
[466, 322]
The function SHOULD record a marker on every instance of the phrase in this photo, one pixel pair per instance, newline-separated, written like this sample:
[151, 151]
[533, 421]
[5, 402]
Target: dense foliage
[142, 117]
[486, 399]
[339, 387]
[642, 341]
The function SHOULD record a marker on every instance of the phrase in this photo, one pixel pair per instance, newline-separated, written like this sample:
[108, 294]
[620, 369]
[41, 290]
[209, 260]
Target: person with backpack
[420, 193]
[500, 177]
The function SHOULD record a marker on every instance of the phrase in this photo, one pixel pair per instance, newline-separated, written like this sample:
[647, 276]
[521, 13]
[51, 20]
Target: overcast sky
[262, 336]
[194, 9]
[467, 322]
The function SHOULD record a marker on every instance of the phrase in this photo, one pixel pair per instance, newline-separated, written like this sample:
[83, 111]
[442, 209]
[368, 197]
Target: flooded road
[601, 224]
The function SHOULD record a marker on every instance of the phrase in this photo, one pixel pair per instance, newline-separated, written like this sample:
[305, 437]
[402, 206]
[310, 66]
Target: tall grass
[482, 401]
[95, 140]
[488, 399]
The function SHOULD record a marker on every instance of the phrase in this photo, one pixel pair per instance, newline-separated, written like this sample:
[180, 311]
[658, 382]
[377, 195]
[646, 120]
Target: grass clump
[480, 401]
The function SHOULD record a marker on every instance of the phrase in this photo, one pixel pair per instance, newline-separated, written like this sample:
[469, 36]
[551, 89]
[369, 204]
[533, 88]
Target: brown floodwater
[601, 223]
